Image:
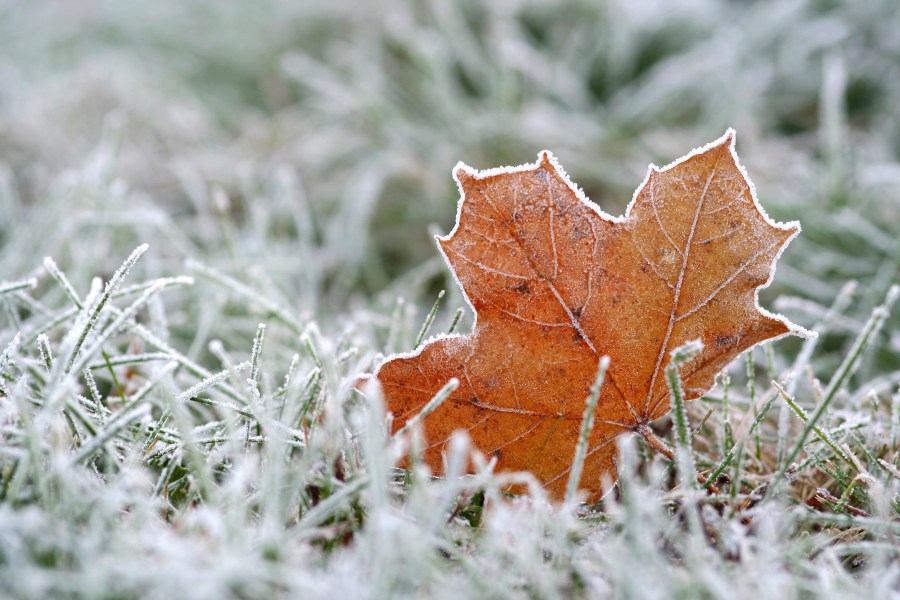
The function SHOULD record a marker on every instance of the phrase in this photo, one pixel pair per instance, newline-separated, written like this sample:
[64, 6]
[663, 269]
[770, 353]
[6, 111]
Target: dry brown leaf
[556, 283]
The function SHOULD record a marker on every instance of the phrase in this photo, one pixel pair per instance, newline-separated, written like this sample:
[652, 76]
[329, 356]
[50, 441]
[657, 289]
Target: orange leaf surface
[556, 283]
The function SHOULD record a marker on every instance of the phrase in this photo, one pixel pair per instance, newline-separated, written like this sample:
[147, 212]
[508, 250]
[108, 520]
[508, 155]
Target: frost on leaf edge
[730, 138]
[545, 157]
[463, 171]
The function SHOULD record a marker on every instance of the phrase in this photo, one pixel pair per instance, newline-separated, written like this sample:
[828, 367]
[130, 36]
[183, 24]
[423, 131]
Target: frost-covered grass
[183, 428]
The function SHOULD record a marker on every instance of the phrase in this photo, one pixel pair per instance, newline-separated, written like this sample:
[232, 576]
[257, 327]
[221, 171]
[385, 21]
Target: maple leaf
[556, 284]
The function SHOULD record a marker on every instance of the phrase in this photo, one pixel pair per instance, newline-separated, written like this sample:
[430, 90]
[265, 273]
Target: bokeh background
[305, 148]
[241, 131]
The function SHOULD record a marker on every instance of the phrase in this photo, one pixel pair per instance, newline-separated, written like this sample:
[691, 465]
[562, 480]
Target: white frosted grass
[150, 338]
[373, 442]
[90, 318]
[46, 354]
[8, 287]
[63, 281]
[122, 317]
[429, 319]
[92, 386]
[521, 546]
[824, 325]
[211, 381]
[587, 425]
[804, 418]
[738, 446]
[247, 293]
[255, 353]
[683, 453]
[396, 548]
[125, 292]
[851, 361]
[408, 542]
[9, 351]
[439, 398]
[122, 420]
[130, 359]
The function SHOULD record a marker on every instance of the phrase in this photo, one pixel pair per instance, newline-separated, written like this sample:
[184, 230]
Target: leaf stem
[660, 446]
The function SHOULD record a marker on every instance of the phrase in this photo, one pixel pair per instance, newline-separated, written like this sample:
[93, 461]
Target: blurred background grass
[305, 149]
